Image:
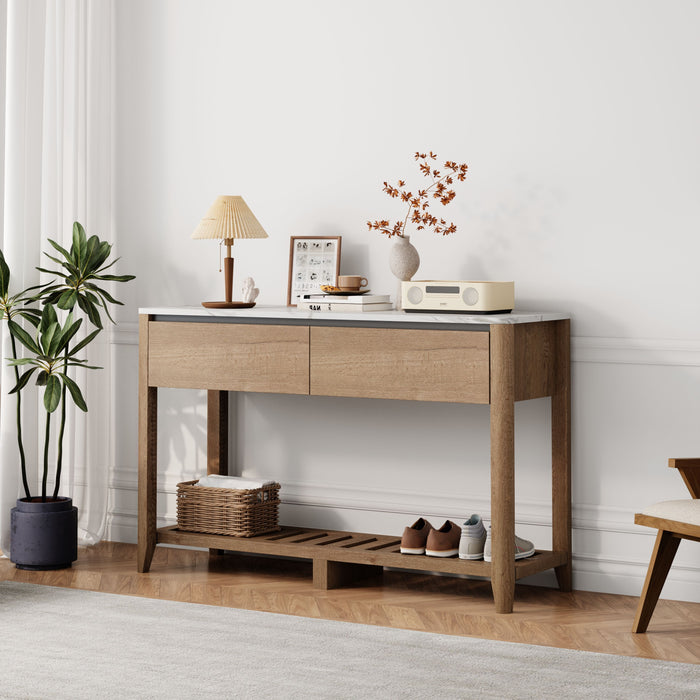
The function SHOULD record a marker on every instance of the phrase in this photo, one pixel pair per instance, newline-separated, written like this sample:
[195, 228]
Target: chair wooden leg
[661, 559]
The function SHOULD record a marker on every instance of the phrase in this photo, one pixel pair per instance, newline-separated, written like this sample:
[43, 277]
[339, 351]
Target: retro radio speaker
[457, 297]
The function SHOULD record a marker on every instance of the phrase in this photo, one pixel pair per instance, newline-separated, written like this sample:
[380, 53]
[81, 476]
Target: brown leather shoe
[444, 542]
[414, 537]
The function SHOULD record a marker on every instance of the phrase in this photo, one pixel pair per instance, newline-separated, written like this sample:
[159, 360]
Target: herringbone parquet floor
[579, 620]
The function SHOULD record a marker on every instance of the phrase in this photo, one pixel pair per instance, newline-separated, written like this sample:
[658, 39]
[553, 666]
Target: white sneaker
[471, 543]
[523, 548]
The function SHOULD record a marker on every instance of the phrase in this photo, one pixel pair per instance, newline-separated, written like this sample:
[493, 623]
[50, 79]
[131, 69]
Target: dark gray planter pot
[44, 536]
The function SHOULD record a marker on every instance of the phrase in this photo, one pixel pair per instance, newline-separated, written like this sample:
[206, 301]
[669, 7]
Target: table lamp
[227, 219]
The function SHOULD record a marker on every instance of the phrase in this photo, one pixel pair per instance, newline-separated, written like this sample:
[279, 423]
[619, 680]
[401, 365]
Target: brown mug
[352, 283]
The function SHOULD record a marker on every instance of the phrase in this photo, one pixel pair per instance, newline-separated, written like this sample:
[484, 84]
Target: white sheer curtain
[57, 145]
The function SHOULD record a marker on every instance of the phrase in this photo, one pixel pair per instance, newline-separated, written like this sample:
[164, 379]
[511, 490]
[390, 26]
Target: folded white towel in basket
[232, 482]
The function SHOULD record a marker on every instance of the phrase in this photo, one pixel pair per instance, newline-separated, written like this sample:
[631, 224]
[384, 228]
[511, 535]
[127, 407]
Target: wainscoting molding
[631, 351]
[636, 351]
[403, 502]
[611, 554]
[124, 334]
[615, 572]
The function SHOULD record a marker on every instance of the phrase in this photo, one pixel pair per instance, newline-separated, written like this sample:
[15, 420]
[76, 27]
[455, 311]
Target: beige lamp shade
[228, 218]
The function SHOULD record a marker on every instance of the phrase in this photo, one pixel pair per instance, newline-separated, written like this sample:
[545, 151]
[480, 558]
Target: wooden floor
[579, 620]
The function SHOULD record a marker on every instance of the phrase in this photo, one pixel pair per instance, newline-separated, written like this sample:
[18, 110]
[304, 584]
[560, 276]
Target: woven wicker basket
[218, 511]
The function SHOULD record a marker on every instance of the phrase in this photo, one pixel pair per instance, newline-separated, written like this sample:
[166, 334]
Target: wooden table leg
[502, 467]
[561, 455]
[337, 574]
[148, 456]
[217, 438]
[217, 432]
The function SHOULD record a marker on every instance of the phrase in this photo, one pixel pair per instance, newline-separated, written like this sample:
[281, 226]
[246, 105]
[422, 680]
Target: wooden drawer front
[383, 363]
[233, 357]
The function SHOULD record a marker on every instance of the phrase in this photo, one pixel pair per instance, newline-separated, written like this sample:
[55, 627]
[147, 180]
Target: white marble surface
[291, 313]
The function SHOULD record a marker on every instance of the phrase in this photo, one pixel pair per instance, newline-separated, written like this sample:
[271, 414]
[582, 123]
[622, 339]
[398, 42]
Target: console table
[491, 360]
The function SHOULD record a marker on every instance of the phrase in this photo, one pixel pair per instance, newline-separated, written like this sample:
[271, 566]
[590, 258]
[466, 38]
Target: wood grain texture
[413, 364]
[670, 533]
[333, 574]
[689, 469]
[352, 548]
[148, 453]
[229, 357]
[685, 530]
[217, 432]
[662, 557]
[535, 355]
[217, 436]
[561, 450]
[385, 363]
[582, 620]
[502, 466]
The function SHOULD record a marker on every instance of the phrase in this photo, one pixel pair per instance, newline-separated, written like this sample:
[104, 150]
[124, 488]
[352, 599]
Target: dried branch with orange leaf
[419, 204]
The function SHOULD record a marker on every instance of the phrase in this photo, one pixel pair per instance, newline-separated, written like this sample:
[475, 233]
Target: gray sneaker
[523, 548]
[471, 543]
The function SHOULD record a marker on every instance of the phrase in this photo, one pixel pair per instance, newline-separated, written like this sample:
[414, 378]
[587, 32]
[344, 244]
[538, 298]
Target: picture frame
[313, 261]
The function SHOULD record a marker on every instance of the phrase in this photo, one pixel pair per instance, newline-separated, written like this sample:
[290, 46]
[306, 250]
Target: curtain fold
[57, 170]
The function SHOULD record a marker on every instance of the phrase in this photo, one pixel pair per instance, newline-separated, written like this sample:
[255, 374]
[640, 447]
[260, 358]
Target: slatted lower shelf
[340, 557]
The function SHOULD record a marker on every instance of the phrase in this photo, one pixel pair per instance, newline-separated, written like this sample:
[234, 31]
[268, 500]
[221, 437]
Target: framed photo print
[313, 261]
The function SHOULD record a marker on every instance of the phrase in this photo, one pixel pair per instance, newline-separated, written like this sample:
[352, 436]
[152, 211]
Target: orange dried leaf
[419, 205]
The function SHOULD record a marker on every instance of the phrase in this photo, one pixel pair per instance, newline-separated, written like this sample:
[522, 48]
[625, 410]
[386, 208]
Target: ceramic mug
[352, 282]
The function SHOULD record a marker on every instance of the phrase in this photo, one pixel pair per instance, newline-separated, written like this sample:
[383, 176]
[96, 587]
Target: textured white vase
[403, 258]
[403, 262]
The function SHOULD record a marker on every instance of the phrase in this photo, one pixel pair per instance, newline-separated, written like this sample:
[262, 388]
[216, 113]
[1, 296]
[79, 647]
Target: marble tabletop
[290, 313]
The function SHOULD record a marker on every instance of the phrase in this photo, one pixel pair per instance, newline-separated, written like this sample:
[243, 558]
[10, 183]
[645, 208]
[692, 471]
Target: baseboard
[610, 552]
[408, 503]
[620, 572]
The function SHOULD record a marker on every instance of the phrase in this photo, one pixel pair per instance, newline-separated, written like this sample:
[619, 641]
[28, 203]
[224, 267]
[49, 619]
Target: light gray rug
[65, 643]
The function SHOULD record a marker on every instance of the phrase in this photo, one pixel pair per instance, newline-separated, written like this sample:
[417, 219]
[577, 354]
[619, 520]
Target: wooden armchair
[675, 520]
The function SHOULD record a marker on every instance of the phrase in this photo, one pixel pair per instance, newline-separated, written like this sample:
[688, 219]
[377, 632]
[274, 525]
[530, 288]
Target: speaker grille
[414, 295]
[470, 296]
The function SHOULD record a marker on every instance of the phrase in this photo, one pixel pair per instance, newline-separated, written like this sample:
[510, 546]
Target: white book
[358, 299]
[308, 305]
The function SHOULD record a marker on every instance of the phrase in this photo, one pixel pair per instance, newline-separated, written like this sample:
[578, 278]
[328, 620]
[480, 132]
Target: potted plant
[404, 259]
[44, 527]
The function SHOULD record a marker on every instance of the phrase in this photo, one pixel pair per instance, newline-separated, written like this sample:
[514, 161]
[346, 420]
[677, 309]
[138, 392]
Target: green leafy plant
[48, 354]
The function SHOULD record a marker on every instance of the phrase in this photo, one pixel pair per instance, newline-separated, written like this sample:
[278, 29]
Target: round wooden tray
[228, 304]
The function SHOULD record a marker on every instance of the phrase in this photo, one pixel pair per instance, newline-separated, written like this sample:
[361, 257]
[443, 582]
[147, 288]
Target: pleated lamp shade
[228, 218]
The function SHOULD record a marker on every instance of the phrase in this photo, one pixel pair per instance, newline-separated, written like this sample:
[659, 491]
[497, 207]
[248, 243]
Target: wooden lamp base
[228, 286]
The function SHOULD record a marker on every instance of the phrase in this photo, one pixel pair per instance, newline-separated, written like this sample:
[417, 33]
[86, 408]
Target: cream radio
[458, 297]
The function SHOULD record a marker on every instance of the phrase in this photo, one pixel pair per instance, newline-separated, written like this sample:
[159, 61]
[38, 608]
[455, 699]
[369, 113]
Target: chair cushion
[686, 510]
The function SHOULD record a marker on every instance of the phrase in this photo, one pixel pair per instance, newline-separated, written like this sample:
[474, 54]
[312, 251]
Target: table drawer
[229, 357]
[385, 363]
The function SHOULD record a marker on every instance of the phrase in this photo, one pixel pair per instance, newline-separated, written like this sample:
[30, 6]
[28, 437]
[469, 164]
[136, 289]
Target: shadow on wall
[182, 434]
[354, 260]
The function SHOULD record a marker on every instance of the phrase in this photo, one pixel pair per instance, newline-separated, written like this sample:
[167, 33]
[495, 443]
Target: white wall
[579, 124]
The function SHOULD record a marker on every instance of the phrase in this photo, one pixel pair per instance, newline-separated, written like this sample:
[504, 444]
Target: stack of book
[351, 303]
